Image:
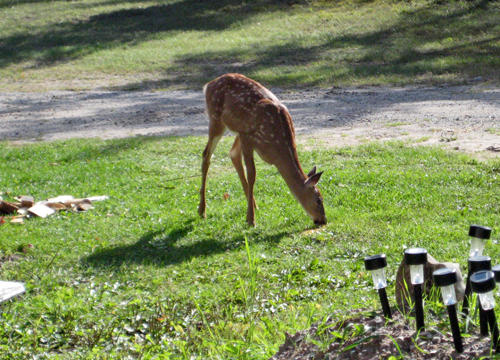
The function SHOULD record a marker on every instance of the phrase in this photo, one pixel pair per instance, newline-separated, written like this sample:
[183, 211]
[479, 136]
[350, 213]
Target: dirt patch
[364, 337]
[464, 118]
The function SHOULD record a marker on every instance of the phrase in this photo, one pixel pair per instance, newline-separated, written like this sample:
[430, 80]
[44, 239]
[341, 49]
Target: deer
[261, 124]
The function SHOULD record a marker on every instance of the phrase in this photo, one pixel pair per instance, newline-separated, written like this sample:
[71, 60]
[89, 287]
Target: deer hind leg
[236, 158]
[215, 133]
[251, 174]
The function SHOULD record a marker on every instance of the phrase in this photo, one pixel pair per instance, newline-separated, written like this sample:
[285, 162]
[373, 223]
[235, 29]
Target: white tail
[263, 124]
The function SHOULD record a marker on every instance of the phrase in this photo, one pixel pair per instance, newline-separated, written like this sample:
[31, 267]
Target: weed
[395, 124]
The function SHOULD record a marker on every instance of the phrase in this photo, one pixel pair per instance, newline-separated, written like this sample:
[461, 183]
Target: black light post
[475, 264]
[376, 264]
[416, 258]
[445, 279]
[483, 283]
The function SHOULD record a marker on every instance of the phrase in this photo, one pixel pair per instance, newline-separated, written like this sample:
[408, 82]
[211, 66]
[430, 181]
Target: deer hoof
[201, 212]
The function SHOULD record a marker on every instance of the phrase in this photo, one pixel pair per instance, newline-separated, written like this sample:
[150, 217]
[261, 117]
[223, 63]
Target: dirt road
[464, 118]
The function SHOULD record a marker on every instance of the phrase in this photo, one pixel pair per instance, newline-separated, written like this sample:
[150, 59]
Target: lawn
[141, 276]
[164, 44]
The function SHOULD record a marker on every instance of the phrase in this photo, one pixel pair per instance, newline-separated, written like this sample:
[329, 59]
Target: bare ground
[464, 118]
[380, 339]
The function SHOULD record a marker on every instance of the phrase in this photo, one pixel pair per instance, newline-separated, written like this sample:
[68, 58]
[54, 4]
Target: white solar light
[376, 264]
[445, 279]
[416, 258]
[479, 235]
[483, 283]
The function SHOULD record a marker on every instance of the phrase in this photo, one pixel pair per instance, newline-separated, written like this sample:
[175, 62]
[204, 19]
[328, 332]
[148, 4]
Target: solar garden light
[445, 278]
[376, 264]
[476, 263]
[483, 283]
[416, 258]
[496, 272]
[479, 236]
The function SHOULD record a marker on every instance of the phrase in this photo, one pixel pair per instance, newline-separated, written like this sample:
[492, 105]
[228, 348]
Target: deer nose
[320, 222]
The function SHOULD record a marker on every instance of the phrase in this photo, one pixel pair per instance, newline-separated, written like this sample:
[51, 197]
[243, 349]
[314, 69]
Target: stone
[404, 289]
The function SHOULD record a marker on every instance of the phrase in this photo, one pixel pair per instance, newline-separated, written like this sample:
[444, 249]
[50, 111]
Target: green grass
[493, 131]
[185, 43]
[396, 124]
[141, 276]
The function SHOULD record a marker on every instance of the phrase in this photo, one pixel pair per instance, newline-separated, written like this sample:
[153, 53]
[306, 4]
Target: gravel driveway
[465, 118]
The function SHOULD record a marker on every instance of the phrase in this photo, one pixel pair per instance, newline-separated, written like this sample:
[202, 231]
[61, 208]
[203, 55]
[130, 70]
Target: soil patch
[368, 336]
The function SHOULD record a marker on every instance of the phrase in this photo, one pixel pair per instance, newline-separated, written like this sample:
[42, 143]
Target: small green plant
[494, 131]
[422, 139]
[395, 124]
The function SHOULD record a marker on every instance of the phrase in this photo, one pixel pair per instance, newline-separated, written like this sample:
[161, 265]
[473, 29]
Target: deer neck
[292, 173]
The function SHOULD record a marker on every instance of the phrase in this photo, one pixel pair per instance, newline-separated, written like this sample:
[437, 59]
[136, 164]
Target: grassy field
[185, 43]
[141, 276]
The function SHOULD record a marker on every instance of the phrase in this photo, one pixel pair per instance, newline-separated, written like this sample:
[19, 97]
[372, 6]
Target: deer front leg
[236, 157]
[207, 157]
[251, 174]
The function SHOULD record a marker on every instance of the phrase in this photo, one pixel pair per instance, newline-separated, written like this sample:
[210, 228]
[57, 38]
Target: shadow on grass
[415, 45]
[66, 41]
[161, 248]
[89, 151]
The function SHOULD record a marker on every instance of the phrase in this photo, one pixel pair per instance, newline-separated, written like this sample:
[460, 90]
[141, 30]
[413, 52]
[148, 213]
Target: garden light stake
[416, 258]
[445, 278]
[376, 264]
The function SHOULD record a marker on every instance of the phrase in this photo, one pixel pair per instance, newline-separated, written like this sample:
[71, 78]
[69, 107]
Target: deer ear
[312, 172]
[313, 180]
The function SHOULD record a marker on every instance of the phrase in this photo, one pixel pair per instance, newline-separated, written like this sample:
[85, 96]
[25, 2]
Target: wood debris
[7, 207]
[27, 201]
[40, 210]
[25, 206]
[9, 289]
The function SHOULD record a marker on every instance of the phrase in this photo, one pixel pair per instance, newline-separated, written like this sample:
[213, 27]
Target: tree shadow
[405, 49]
[161, 248]
[81, 113]
[71, 40]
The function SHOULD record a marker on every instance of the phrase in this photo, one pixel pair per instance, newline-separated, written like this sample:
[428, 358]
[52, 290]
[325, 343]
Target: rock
[404, 289]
